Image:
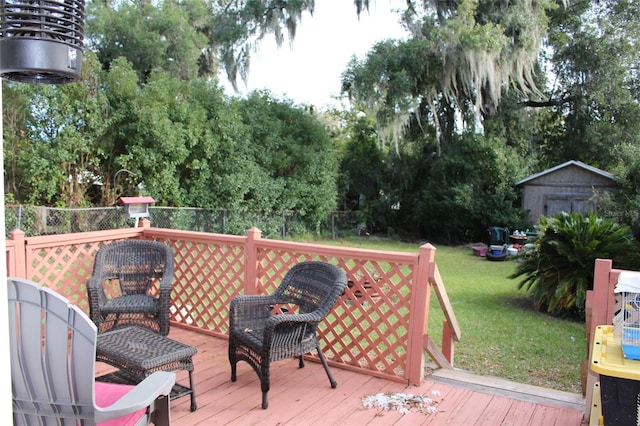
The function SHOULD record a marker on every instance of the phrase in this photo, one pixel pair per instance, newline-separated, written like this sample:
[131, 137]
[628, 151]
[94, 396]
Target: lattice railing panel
[65, 269]
[368, 327]
[207, 277]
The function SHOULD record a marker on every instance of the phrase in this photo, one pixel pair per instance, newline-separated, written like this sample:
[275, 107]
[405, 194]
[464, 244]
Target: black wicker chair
[259, 336]
[120, 289]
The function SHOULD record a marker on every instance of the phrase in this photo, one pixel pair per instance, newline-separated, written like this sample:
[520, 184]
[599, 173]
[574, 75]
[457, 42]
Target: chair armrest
[94, 285]
[247, 311]
[311, 317]
[142, 396]
[165, 288]
[293, 328]
[96, 297]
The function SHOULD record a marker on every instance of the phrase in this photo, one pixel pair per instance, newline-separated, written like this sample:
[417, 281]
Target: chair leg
[232, 360]
[326, 368]
[301, 361]
[265, 382]
[234, 377]
[162, 413]
[194, 406]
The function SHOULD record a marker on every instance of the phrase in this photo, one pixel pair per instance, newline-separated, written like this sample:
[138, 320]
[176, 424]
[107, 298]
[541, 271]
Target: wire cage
[41, 41]
[631, 325]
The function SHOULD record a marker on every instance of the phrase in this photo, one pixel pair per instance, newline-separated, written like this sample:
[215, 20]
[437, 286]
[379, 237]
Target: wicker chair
[260, 337]
[121, 290]
[53, 348]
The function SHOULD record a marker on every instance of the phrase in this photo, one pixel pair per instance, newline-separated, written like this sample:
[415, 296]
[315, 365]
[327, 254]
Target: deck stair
[508, 388]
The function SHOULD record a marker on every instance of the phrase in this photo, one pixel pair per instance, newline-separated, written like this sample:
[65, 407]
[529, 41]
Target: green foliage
[362, 167]
[63, 123]
[457, 62]
[440, 161]
[182, 142]
[596, 94]
[470, 188]
[559, 270]
[167, 35]
[293, 161]
[623, 205]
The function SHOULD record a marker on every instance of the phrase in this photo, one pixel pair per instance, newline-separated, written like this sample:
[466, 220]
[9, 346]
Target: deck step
[507, 388]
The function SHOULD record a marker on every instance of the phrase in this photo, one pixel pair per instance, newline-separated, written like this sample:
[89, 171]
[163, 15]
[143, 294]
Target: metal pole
[114, 180]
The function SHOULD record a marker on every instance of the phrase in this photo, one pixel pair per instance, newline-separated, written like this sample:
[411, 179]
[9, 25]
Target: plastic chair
[53, 352]
[122, 284]
[259, 337]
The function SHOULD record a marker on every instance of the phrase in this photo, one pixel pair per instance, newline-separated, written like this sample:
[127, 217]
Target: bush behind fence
[39, 220]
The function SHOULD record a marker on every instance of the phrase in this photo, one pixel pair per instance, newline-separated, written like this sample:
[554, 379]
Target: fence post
[251, 261]
[19, 217]
[420, 298]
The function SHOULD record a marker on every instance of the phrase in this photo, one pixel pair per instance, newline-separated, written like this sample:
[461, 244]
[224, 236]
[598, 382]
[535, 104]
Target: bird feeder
[136, 207]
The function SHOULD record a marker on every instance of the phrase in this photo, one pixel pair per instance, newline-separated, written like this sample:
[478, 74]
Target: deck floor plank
[494, 413]
[304, 397]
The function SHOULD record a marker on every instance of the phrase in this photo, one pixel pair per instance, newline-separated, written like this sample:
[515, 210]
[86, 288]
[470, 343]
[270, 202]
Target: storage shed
[568, 187]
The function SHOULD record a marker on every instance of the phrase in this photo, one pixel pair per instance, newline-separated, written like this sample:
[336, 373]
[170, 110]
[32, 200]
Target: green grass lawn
[502, 335]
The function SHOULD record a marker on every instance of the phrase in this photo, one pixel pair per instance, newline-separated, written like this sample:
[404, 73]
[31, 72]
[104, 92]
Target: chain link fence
[39, 220]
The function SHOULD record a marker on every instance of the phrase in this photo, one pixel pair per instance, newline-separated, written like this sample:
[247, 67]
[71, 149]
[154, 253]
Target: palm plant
[559, 270]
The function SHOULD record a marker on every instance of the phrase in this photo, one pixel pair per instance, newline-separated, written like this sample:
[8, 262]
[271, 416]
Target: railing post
[17, 267]
[602, 310]
[145, 223]
[251, 263]
[419, 319]
[600, 300]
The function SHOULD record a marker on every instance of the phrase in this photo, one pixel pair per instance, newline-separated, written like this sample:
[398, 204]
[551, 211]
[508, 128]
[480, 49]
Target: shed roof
[580, 164]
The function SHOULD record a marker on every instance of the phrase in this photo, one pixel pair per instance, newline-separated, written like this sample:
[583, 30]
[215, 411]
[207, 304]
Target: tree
[62, 125]
[16, 143]
[362, 167]
[295, 163]
[595, 61]
[169, 35]
[172, 135]
[469, 188]
[456, 64]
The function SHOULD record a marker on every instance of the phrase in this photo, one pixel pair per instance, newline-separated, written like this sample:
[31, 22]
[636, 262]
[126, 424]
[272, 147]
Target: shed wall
[568, 189]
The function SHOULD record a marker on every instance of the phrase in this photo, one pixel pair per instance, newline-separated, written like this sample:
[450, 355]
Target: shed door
[581, 206]
[556, 204]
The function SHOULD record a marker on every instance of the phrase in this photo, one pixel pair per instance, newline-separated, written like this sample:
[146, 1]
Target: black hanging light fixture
[41, 40]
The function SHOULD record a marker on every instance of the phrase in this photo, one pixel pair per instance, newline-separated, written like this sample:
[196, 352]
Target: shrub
[559, 270]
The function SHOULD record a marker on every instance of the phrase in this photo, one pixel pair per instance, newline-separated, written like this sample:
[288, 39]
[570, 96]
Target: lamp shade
[41, 40]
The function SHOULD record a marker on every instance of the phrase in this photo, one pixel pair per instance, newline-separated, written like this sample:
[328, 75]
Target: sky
[309, 71]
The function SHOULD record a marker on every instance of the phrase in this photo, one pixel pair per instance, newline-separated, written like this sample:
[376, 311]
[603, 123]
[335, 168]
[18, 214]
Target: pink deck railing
[378, 327]
[600, 309]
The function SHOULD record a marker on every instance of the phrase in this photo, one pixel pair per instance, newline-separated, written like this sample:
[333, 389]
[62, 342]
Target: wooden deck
[304, 397]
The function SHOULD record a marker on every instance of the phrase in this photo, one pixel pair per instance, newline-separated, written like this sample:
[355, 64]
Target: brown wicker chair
[121, 288]
[259, 337]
